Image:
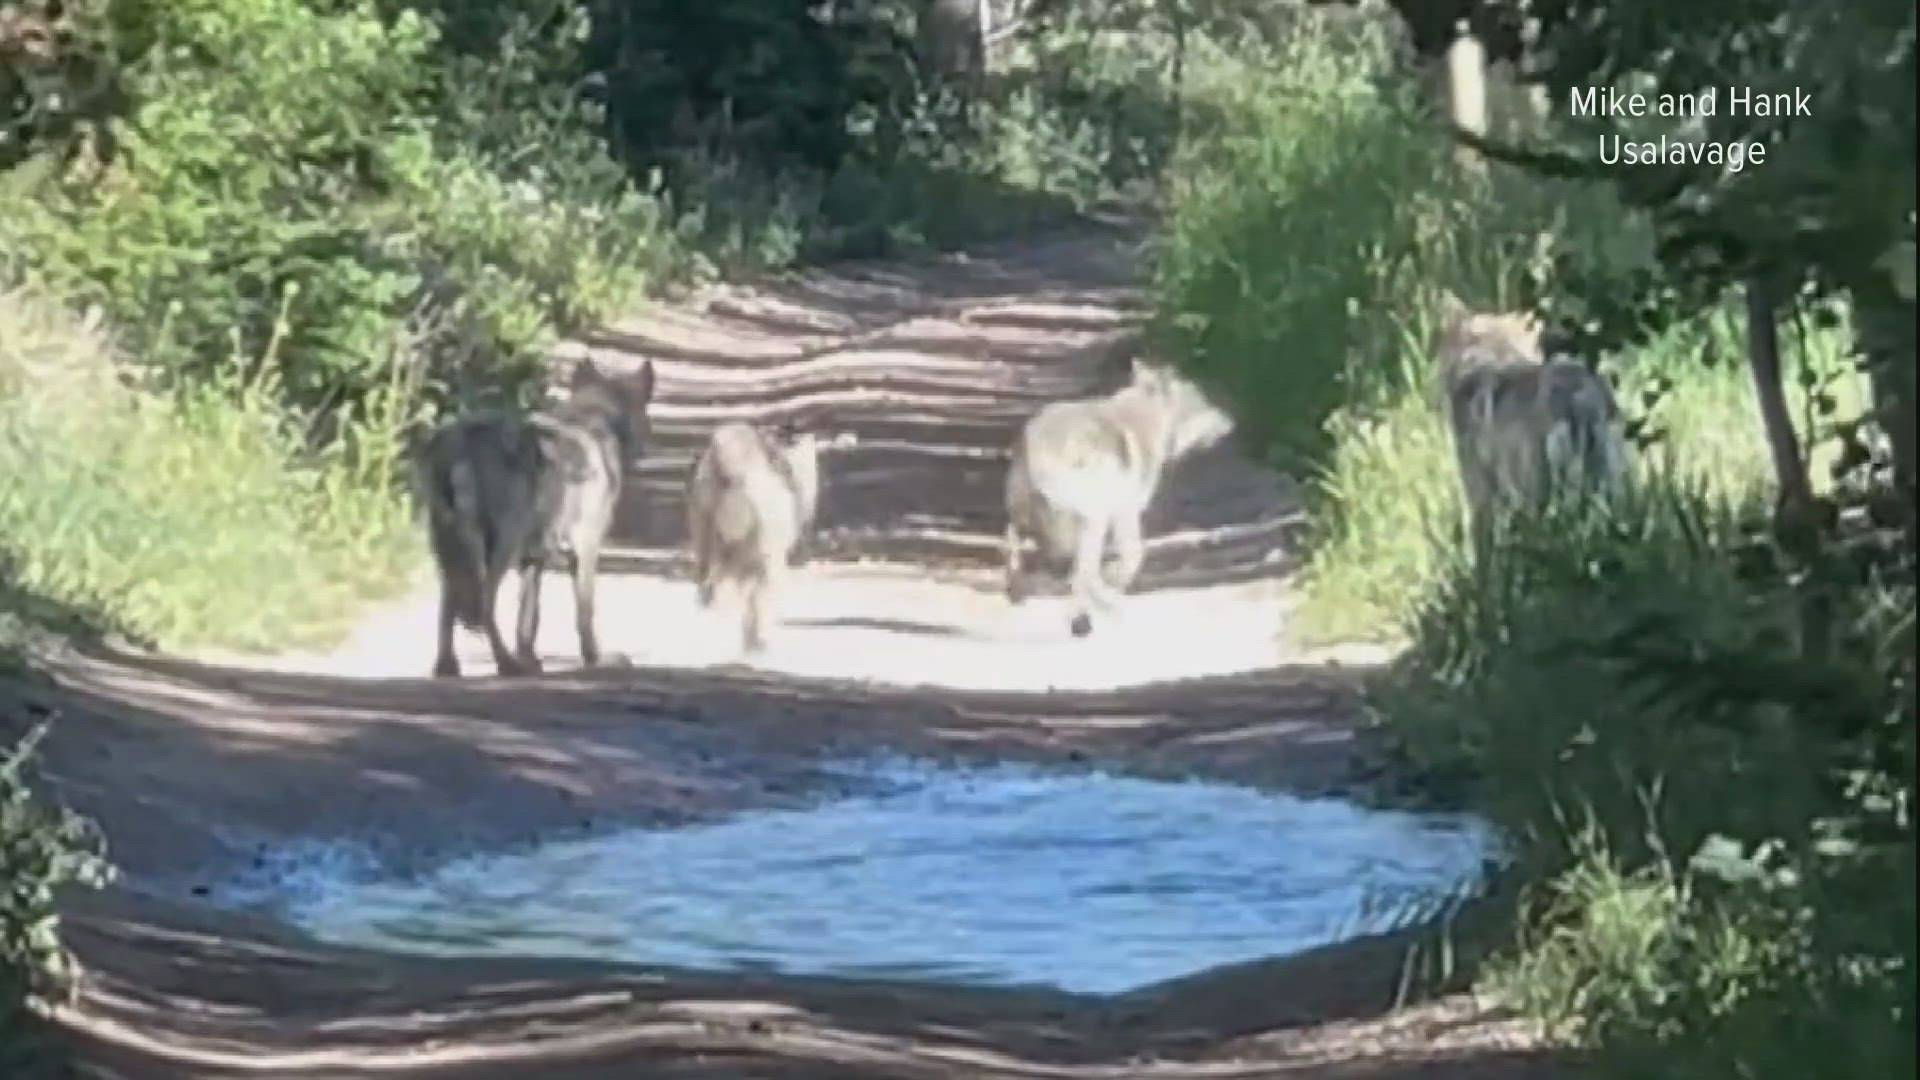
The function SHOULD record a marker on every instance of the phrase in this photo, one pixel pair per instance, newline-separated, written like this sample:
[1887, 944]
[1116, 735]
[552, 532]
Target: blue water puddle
[996, 876]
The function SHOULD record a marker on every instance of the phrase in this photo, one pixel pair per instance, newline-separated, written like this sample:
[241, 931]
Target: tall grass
[192, 520]
[1312, 233]
[1718, 886]
[1389, 493]
[1626, 695]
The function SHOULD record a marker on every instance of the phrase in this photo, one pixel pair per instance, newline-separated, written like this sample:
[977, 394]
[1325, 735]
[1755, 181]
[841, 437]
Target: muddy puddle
[988, 876]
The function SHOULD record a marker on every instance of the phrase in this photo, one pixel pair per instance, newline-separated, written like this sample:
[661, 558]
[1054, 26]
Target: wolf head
[1469, 337]
[1192, 420]
[622, 404]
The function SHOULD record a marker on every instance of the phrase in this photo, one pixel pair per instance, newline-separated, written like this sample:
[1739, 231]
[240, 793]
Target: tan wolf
[750, 505]
[1083, 473]
[514, 491]
[1525, 429]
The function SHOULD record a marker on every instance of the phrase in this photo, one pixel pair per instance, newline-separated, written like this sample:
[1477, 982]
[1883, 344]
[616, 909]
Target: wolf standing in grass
[1525, 430]
[750, 504]
[505, 491]
[1083, 473]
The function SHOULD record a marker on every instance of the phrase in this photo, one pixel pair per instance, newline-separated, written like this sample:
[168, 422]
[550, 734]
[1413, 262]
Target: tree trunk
[1796, 523]
[1177, 14]
[1763, 361]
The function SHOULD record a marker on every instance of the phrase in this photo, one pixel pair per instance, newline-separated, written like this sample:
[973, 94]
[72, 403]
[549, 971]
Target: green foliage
[1389, 497]
[1633, 697]
[326, 220]
[1632, 957]
[305, 182]
[776, 78]
[1511, 631]
[42, 848]
[1719, 822]
[1310, 236]
[260, 125]
[198, 519]
[1830, 207]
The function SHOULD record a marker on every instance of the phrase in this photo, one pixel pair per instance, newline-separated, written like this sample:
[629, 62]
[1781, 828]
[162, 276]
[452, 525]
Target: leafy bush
[306, 180]
[262, 124]
[1716, 818]
[42, 849]
[194, 519]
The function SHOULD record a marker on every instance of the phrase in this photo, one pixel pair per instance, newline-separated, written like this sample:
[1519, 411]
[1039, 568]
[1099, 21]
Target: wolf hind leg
[755, 612]
[493, 573]
[527, 621]
[1126, 553]
[706, 578]
[503, 661]
[1015, 543]
[445, 666]
[586, 568]
[1088, 588]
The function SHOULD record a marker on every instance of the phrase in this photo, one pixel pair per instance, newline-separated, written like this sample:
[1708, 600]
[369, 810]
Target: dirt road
[898, 638]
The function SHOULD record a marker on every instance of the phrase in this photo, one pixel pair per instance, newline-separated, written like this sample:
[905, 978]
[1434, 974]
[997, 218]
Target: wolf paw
[514, 667]
[446, 667]
[1082, 625]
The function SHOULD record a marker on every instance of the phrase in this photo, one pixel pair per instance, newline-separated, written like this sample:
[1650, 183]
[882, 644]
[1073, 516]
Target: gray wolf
[522, 491]
[750, 506]
[1525, 429]
[1083, 473]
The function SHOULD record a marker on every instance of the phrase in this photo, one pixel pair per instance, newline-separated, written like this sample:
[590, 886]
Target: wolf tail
[456, 528]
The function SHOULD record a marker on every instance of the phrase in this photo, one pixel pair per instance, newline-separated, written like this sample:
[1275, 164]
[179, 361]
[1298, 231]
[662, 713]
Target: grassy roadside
[197, 520]
[1624, 698]
[330, 222]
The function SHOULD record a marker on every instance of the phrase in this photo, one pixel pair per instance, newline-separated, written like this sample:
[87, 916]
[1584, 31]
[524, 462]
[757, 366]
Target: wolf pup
[750, 506]
[1525, 430]
[505, 491]
[1083, 473]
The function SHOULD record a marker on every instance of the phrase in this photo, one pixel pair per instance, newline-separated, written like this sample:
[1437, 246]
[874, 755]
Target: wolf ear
[584, 372]
[1142, 371]
[1453, 310]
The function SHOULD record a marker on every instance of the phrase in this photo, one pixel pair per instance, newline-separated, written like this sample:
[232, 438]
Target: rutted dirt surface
[897, 638]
